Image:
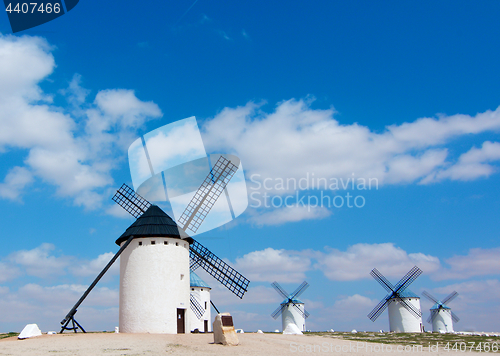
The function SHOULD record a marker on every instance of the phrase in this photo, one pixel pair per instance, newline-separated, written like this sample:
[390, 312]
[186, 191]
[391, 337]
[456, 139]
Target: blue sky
[404, 93]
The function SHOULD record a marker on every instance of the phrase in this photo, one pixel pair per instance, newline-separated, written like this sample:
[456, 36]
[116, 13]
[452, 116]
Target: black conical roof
[153, 223]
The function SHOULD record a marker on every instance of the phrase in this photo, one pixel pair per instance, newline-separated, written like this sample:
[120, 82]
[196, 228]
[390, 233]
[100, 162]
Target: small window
[176, 244]
[205, 305]
[192, 288]
[202, 289]
[165, 242]
[140, 243]
[153, 242]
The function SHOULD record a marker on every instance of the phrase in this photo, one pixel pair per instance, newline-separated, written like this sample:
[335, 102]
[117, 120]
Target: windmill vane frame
[289, 297]
[207, 194]
[200, 256]
[197, 309]
[395, 292]
[441, 305]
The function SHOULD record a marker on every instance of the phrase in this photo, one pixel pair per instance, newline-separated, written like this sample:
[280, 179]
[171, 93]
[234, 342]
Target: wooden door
[205, 326]
[180, 321]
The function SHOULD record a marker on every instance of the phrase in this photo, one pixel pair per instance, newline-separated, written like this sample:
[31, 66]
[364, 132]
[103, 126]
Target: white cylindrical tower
[400, 319]
[154, 277]
[291, 315]
[442, 321]
[201, 292]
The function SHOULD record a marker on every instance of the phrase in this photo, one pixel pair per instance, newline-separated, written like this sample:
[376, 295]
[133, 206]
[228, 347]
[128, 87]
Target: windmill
[404, 305]
[442, 317]
[200, 304]
[293, 314]
[153, 281]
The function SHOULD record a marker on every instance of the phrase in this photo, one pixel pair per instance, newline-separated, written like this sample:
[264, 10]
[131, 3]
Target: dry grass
[470, 342]
[3, 336]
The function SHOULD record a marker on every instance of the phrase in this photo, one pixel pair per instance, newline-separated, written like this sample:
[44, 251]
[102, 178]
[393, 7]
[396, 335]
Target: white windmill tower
[293, 314]
[442, 317]
[404, 305]
[157, 256]
[200, 304]
[156, 261]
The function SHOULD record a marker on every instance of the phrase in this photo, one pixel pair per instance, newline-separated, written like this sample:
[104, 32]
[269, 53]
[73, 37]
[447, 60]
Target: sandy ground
[195, 344]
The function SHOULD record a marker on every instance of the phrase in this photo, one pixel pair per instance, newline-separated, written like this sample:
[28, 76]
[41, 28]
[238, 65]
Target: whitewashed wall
[154, 282]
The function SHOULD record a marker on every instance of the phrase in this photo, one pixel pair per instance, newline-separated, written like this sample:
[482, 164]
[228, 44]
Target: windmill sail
[197, 309]
[199, 255]
[395, 292]
[207, 194]
[439, 305]
[290, 299]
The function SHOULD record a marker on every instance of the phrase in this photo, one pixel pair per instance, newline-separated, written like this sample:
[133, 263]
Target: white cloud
[75, 93]
[294, 213]
[24, 61]
[472, 164]
[93, 267]
[287, 266]
[473, 292]
[8, 272]
[48, 305]
[75, 151]
[41, 262]
[38, 261]
[478, 262]
[408, 168]
[271, 265]
[475, 304]
[295, 140]
[347, 312]
[358, 260]
[353, 302]
[121, 107]
[429, 131]
[254, 295]
[119, 212]
[14, 183]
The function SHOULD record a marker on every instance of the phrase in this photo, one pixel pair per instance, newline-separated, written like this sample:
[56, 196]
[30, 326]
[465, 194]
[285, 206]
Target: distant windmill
[404, 305]
[291, 309]
[442, 317]
[155, 271]
[200, 304]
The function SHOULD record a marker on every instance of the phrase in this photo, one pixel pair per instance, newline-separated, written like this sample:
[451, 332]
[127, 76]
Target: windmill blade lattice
[289, 299]
[199, 255]
[278, 311]
[132, 202]
[441, 305]
[379, 277]
[300, 289]
[207, 194]
[449, 298]
[197, 309]
[280, 290]
[417, 313]
[379, 308]
[217, 268]
[430, 297]
[304, 313]
[433, 314]
[395, 292]
[408, 279]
